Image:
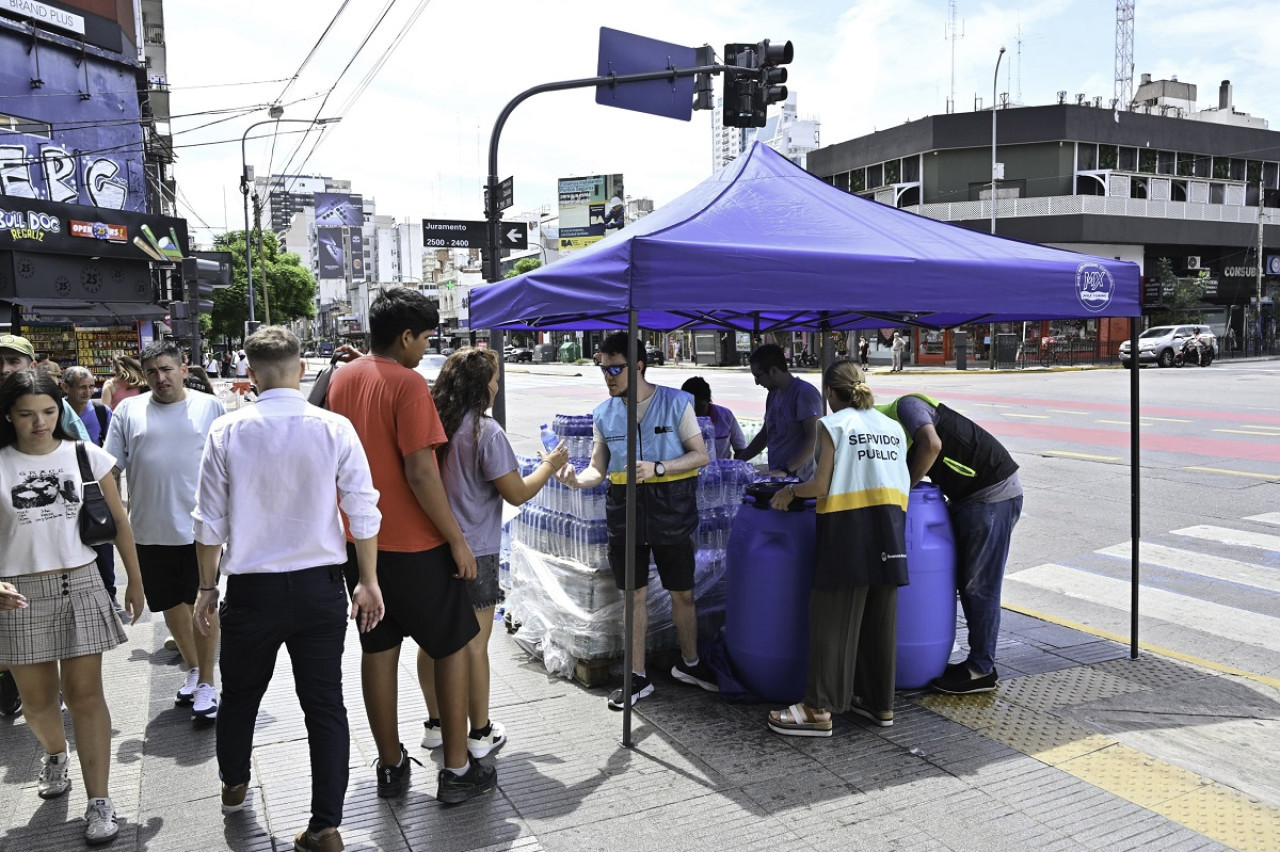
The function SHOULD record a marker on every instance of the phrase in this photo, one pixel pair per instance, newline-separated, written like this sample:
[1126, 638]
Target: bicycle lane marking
[1192, 445]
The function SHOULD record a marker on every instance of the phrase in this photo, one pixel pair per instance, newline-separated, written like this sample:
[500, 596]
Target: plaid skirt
[68, 614]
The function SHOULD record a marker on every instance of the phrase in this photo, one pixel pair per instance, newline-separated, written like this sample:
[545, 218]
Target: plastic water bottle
[549, 439]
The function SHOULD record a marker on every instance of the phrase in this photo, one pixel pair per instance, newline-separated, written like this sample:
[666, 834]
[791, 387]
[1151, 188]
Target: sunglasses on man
[613, 369]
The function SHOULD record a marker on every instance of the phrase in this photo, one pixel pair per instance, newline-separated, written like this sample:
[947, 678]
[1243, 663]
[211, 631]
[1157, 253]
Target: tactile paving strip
[1018, 716]
[1228, 816]
[1151, 671]
[1066, 687]
[1041, 735]
[1140, 778]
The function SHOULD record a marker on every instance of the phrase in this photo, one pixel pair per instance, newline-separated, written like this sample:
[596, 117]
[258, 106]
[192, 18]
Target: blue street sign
[625, 53]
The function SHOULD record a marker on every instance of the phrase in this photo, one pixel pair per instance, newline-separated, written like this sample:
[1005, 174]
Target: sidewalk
[1065, 756]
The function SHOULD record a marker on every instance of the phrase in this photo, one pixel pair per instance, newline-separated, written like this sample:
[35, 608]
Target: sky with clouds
[419, 101]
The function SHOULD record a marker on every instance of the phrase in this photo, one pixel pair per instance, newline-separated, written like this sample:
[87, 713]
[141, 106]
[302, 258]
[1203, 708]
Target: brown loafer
[324, 840]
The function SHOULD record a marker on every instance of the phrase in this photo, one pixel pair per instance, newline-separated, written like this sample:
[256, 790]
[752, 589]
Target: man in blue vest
[984, 496]
[669, 452]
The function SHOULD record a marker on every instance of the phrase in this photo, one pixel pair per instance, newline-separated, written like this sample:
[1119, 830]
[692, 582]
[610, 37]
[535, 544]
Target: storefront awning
[72, 310]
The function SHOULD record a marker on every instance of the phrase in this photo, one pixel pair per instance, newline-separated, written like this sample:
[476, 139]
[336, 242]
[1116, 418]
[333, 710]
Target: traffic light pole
[493, 214]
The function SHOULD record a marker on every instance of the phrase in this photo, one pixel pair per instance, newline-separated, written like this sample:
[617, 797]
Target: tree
[292, 289]
[523, 265]
[1178, 294]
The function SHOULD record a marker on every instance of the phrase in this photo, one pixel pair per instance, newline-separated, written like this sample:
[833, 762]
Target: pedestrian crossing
[1209, 589]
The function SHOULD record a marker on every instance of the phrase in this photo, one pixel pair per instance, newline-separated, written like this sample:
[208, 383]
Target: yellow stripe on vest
[862, 500]
[620, 477]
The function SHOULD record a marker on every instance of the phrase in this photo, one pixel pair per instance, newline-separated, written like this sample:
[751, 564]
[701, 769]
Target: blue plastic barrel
[927, 607]
[769, 574]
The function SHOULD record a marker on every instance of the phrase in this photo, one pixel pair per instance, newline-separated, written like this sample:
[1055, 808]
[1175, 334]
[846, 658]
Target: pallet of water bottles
[560, 589]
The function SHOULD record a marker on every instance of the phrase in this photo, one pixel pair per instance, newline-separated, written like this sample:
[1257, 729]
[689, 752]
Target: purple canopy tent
[763, 245]
[765, 238]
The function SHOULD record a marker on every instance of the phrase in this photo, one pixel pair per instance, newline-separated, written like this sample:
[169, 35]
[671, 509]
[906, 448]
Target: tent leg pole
[498, 341]
[628, 609]
[1135, 502]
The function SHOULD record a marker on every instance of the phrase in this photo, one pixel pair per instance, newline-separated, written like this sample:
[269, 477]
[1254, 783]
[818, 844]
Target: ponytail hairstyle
[848, 383]
[462, 387]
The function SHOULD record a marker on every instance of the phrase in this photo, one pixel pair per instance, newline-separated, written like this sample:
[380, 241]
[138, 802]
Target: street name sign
[472, 233]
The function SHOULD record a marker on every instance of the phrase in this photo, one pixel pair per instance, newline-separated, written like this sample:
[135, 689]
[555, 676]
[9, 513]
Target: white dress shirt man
[268, 480]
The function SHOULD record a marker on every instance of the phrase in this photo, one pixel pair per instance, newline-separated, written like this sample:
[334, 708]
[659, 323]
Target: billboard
[329, 243]
[590, 207]
[357, 254]
[337, 209]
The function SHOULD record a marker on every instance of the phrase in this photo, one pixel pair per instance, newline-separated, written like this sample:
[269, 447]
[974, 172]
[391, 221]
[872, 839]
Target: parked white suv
[1158, 344]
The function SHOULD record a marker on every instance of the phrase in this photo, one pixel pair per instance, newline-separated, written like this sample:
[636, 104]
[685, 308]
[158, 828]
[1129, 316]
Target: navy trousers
[306, 611]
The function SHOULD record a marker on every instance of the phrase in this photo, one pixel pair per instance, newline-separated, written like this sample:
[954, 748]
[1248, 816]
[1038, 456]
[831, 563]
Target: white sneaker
[432, 736]
[480, 747]
[54, 779]
[205, 706]
[101, 819]
[187, 692]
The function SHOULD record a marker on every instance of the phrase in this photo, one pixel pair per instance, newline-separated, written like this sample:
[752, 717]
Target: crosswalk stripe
[1229, 536]
[1205, 616]
[1216, 567]
[1265, 518]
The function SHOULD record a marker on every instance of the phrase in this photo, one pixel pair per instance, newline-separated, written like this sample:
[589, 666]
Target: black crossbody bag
[97, 526]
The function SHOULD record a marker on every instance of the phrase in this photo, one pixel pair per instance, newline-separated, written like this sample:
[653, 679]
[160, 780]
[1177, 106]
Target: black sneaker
[958, 680]
[477, 780]
[699, 674]
[394, 780]
[10, 699]
[640, 688]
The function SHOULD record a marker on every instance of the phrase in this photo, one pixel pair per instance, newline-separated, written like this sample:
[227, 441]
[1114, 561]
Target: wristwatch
[659, 469]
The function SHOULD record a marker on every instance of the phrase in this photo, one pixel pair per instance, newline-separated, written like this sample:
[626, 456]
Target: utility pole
[262, 257]
[1257, 311]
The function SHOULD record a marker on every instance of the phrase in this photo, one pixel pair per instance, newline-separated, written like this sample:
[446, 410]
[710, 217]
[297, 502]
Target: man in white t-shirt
[157, 439]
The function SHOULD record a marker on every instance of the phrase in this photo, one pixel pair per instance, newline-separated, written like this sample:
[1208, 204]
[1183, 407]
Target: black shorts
[423, 600]
[170, 575]
[675, 564]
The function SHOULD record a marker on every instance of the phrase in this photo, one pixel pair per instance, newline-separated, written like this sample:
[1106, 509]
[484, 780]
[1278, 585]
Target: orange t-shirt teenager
[394, 415]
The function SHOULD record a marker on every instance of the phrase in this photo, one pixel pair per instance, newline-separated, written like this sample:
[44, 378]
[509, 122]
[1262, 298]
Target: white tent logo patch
[1094, 286]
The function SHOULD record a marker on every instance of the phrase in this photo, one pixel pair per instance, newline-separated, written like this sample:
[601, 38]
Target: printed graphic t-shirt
[40, 508]
[394, 415]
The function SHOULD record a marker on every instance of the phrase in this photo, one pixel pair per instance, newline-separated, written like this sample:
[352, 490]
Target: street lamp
[994, 78]
[275, 112]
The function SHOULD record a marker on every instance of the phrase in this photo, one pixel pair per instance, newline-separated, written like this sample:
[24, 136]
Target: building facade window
[28, 126]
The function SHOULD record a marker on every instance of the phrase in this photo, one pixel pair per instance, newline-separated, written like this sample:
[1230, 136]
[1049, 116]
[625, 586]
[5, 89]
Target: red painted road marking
[1190, 444]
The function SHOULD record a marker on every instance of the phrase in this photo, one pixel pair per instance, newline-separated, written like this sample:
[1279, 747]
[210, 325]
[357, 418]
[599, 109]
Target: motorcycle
[1193, 352]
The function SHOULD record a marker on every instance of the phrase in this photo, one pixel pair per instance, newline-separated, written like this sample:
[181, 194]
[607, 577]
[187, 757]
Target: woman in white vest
[862, 484]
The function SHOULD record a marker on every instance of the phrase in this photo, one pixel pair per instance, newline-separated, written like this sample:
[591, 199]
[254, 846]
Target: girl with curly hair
[479, 470]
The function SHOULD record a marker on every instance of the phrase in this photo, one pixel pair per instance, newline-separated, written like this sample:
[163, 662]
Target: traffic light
[769, 57]
[201, 276]
[755, 81]
[740, 86]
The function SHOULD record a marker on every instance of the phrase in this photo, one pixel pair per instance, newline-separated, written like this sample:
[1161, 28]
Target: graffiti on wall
[53, 173]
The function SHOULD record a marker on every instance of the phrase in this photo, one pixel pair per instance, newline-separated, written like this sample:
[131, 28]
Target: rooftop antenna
[953, 32]
[1124, 52]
